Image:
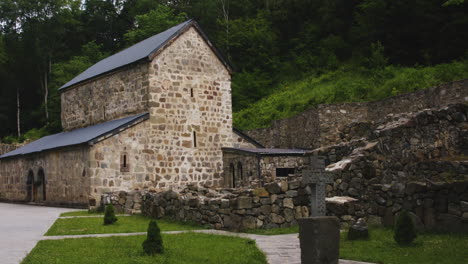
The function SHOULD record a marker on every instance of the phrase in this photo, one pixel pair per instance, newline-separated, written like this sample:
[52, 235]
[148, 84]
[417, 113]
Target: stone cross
[317, 179]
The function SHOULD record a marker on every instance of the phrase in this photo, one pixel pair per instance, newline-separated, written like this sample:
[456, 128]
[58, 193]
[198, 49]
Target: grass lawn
[427, 248]
[180, 248]
[82, 213]
[125, 224]
[274, 231]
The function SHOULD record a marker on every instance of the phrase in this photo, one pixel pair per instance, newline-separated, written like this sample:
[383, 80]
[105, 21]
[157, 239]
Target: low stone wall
[275, 205]
[435, 206]
[325, 124]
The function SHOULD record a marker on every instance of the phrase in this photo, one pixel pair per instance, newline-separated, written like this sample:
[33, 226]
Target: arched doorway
[233, 175]
[40, 186]
[29, 186]
[240, 175]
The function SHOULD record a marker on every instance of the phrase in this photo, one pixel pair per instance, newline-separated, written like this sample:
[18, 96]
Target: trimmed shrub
[109, 215]
[153, 243]
[405, 232]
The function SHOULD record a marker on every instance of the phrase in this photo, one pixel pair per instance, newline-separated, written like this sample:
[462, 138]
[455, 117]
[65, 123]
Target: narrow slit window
[194, 139]
[191, 92]
[124, 166]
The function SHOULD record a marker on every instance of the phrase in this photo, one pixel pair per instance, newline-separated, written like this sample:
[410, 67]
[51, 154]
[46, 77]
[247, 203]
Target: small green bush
[405, 232]
[153, 243]
[109, 215]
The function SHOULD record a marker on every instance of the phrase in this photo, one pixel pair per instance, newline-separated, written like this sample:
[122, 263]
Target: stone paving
[21, 226]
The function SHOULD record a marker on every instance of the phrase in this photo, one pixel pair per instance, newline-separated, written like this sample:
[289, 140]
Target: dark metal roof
[269, 151]
[138, 52]
[78, 136]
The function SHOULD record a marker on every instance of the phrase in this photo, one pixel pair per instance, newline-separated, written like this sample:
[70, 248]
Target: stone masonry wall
[5, 148]
[417, 162]
[106, 98]
[190, 111]
[320, 126]
[275, 205]
[66, 175]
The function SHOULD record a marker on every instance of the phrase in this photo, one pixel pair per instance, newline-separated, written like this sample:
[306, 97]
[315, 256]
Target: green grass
[181, 248]
[274, 231]
[125, 224]
[427, 248]
[82, 213]
[347, 84]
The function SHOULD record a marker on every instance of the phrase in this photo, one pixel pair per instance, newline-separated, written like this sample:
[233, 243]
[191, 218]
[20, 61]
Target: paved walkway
[21, 226]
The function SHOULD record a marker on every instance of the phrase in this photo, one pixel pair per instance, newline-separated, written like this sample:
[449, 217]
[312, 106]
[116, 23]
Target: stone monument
[319, 235]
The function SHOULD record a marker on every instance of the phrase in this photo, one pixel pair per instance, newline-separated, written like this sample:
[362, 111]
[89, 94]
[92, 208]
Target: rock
[265, 209]
[465, 217]
[294, 185]
[284, 186]
[373, 220]
[358, 230]
[346, 217]
[244, 202]
[277, 219]
[429, 219]
[193, 202]
[454, 209]
[415, 187]
[288, 203]
[261, 192]
[353, 192]
[464, 206]
[249, 222]
[273, 188]
[288, 215]
[291, 193]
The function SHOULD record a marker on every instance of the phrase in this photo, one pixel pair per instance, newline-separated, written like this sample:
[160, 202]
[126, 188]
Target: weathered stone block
[319, 239]
[244, 202]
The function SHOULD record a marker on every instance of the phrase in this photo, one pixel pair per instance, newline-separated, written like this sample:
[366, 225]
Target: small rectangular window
[191, 92]
[124, 166]
[194, 139]
[284, 172]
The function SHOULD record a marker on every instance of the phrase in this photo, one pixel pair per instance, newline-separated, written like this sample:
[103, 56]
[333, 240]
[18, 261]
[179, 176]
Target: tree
[153, 243]
[156, 21]
[109, 215]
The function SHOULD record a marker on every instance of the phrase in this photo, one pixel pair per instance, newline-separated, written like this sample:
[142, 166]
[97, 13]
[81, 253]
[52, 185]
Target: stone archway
[39, 189]
[232, 170]
[29, 186]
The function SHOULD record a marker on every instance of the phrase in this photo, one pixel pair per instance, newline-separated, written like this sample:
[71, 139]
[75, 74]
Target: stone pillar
[320, 240]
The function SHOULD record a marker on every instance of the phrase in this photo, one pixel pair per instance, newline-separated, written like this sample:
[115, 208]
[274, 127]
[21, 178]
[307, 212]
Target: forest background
[289, 55]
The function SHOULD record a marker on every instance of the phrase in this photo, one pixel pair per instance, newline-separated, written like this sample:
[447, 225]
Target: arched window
[41, 185]
[240, 174]
[233, 175]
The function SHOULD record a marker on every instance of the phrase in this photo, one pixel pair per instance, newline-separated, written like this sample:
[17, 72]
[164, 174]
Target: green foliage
[153, 243]
[109, 215]
[453, 2]
[405, 231]
[157, 20]
[350, 83]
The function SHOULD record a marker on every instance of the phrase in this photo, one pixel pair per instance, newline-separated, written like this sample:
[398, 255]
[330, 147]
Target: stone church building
[153, 116]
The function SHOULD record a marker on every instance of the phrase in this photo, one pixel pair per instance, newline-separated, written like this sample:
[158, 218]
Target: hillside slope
[348, 84]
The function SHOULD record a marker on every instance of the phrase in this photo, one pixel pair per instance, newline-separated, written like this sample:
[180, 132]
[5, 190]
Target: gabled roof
[143, 50]
[247, 138]
[89, 134]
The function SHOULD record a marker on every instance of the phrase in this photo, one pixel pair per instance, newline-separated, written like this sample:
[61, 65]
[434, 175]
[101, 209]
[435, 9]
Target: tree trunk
[18, 111]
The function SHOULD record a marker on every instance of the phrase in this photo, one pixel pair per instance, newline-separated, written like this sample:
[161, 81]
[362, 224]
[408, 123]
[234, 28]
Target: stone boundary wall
[435, 206]
[320, 126]
[5, 148]
[275, 205]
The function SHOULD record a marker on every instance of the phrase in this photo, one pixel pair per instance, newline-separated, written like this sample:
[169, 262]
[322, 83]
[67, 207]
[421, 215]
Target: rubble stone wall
[66, 175]
[275, 205]
[322, 125]
[116, 95]
[190, 112]
[5, 148]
